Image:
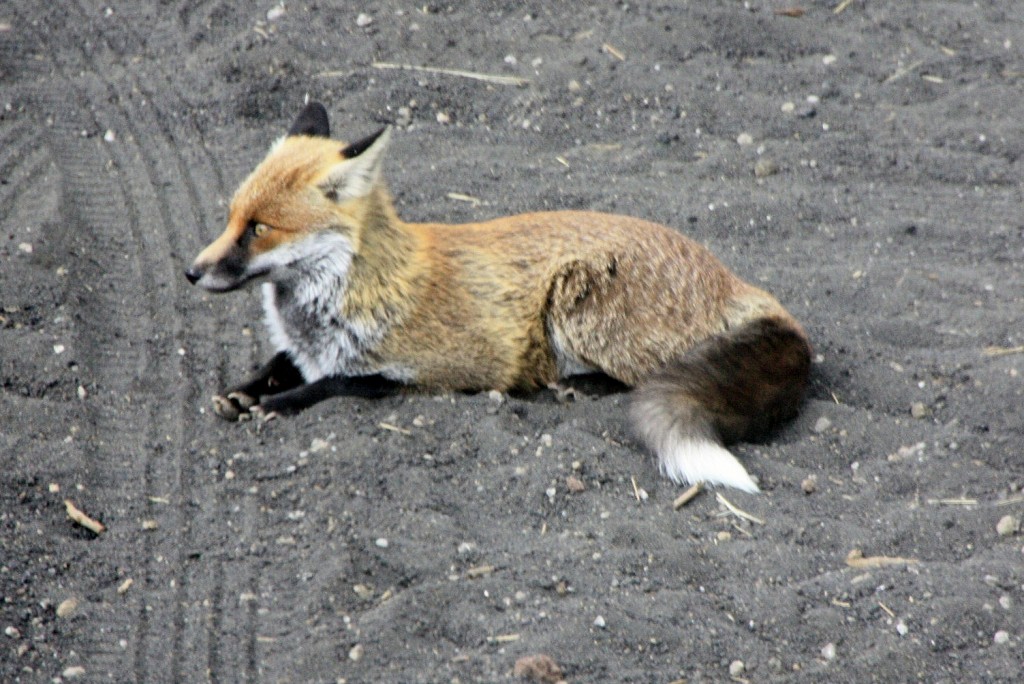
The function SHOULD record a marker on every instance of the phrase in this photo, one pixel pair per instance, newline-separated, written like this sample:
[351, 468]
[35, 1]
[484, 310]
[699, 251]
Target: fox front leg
[305, 395]
[278, 375]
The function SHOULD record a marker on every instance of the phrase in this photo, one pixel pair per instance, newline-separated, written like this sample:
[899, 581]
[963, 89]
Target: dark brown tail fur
[738, 385]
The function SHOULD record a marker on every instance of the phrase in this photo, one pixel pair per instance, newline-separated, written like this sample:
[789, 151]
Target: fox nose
[193, 274]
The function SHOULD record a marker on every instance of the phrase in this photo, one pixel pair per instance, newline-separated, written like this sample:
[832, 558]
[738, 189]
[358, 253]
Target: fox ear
[312, 121]
[359, 170]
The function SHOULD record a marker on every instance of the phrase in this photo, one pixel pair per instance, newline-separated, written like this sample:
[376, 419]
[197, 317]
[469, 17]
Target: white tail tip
[690, 460]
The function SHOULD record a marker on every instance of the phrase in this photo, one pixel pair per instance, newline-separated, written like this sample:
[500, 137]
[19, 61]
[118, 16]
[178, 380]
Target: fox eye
[259, 229]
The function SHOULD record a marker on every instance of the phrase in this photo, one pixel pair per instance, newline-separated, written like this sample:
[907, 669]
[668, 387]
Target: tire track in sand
[202, 597]
[132, 179]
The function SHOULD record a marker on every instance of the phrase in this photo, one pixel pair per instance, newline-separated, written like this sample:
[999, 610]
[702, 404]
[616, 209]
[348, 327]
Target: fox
[359, 303]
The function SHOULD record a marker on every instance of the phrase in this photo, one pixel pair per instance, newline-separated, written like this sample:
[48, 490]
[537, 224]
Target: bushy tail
[734, 386]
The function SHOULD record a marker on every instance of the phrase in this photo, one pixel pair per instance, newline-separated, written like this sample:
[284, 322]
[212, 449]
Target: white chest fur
[302, 309]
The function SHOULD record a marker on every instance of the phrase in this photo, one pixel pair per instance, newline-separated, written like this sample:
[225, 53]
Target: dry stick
[77, 516]
[953, 502]
[460, 197]
[857, 559]
[614, 52]
[736, 511]
[394, 428]
[1003, 351]
[479, 571]
[841, 6]
[688, 496]
[900, 73]
[476, 76]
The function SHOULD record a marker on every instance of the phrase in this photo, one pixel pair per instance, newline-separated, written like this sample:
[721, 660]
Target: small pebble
[809, 484]
[1001, 637]
[788, 107]
[381, 542]
[12, 632]
[599, 622]
[25, 247]
[275, 12]
[442, 118]
[496, 396]
[82, 392]
[1005, 602]
[918, 410]
[67, 607]
[736, 668]
[574, 484]
[828, 651]
[363, 20]
[355, 654]
[901, 628]
[318, 445]
[822, 425]
[404, 117]
[828, 59]
[745, 139]
[806, 111]
[546, 440]
[724, 536]
[764, 168]
[1007, 525]
[73, 672]
[109, 136]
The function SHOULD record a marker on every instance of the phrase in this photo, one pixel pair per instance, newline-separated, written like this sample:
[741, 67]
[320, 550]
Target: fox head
[306, 201]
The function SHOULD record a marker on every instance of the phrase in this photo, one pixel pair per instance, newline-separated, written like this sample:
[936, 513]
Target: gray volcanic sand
[435, 538]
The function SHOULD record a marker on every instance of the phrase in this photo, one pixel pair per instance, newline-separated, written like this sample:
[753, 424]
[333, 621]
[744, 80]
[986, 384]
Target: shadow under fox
[358, 302]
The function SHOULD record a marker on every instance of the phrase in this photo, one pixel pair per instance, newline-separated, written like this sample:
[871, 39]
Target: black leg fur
[304, 396]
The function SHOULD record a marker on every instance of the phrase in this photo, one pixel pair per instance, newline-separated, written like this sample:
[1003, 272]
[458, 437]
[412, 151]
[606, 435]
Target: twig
[394, 428]
[857, 559]
[614, 52]
[503, 638]
[80, 518]
[887, 609]
[1002, 351]
[476, 76]
[636, 488]
[738, 512]
[740, 529]
[953, 502]
[459, 197]
[479, 571]
[688, 496]
[900, 73]
[1011, 500]
[842, 6]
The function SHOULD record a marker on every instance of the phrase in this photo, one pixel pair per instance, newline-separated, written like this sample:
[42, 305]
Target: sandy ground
[863, 161]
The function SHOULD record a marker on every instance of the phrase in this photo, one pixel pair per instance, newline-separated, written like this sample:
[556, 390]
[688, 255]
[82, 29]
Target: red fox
[358, 302]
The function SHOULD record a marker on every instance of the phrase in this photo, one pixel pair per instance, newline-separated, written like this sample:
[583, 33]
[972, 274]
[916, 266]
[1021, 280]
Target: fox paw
[565, 394]
[264, 414]
[236, 406]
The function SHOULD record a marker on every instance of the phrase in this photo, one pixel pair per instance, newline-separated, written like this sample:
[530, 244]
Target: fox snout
[193, 274]
[227, 273]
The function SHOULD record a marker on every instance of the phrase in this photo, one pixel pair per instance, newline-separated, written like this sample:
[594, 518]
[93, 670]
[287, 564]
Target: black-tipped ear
[312, 121]
[358, 147]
